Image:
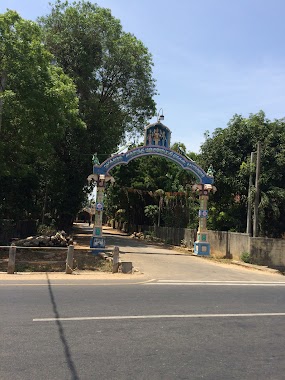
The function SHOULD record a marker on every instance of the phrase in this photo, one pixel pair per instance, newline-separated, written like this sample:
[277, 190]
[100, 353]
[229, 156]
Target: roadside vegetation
[75, 83]
[72, 84]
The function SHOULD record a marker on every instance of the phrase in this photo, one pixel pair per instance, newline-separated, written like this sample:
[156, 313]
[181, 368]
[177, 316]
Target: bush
[245, 257]
[45, 230]
[148, 234]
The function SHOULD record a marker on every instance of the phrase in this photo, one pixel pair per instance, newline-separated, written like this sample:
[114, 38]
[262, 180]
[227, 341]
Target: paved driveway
[160, 263]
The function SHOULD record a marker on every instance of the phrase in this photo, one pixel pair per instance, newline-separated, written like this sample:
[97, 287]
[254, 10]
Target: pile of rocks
[138, 235]
[60, 239]
[146, 236]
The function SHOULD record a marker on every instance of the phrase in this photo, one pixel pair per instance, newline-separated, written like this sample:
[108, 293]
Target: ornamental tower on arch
[157, 134]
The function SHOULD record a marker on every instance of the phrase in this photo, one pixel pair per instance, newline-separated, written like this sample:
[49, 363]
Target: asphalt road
[147, 331]
[184, 318]
[158, 262]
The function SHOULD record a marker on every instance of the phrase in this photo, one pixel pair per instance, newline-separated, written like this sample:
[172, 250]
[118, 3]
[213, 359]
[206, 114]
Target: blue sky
[212, 58]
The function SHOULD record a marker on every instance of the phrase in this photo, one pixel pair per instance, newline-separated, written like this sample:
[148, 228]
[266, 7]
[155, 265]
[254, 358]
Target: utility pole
[249, 213]
[256, 201]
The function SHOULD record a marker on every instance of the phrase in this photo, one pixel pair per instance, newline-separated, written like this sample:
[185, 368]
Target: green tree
[152, 181]
[112, 71]
[228, 150]
[39, 111]
[152, 212]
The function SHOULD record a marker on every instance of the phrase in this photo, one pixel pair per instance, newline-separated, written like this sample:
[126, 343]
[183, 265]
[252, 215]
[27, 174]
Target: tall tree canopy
[112, 71]
[72, 84]
[39, 114]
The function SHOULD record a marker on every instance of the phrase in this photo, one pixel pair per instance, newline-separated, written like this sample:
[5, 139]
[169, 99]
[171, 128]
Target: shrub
[45, 230]
[245, 257]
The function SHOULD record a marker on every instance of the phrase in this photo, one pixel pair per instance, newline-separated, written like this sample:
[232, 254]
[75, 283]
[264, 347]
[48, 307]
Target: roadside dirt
[54, 260]
[101, 269]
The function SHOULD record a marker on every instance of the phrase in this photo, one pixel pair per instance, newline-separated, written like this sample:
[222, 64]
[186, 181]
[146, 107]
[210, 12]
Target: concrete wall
[270, 252]
[169, 235]
[264, 251]
[219, 243]
[176, 236]
[238, 243]
[190, 236]
[228, 244]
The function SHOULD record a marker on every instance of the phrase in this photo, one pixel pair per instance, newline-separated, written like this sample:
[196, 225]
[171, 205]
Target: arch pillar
[97, 242]
[202, 245]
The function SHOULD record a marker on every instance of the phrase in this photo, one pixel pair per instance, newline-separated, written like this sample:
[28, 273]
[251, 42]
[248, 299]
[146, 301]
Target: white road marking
[216, 283]
[226, 281]
[121, 283]
[159, 316]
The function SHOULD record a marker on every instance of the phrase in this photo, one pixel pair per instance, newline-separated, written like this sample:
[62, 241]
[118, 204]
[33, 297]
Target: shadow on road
[157, 253]
[70, 363]
[82, 234]
[123, 241]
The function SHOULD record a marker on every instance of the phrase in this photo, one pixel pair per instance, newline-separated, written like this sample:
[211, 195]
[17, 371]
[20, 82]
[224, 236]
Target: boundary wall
[226, 244]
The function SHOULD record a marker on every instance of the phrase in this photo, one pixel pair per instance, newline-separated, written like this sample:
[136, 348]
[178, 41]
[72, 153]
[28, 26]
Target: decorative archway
[156, 143]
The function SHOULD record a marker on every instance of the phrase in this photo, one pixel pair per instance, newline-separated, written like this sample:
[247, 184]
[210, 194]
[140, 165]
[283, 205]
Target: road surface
[184, 318]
